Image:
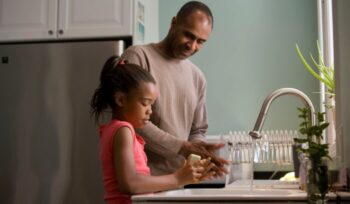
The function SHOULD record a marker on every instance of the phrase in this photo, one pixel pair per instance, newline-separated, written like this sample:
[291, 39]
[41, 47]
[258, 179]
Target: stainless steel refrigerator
[49, 145]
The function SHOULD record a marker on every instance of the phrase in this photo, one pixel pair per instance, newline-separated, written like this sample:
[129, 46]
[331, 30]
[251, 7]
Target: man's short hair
[192, 6]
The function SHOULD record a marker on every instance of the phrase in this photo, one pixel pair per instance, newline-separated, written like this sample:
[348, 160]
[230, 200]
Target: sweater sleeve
[135, 55]
[159, 141]
[200, 119]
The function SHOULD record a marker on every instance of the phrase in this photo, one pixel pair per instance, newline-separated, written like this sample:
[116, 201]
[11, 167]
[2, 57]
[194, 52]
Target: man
[179, 118]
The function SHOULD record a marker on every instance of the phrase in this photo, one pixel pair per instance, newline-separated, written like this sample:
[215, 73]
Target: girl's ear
[173, 21]
[119, 98]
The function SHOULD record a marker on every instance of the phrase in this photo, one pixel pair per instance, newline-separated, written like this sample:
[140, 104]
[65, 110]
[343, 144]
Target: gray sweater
[179, 113]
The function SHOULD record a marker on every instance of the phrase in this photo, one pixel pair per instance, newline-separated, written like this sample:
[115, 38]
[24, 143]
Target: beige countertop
[238, 192]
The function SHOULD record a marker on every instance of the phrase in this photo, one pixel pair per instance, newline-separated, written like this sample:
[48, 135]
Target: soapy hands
[195, 170]
[206, 150]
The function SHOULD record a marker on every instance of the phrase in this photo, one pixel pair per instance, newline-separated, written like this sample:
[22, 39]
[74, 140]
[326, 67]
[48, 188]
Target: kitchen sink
[263, 191]
[229, 192]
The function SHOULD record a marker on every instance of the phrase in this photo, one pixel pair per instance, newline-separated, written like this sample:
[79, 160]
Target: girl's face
[137, 106]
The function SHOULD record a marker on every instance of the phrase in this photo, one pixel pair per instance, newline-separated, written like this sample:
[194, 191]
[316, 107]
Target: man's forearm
[159, 141]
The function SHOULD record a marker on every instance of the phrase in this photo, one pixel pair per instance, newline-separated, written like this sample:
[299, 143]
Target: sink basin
[223, 194]
[228, 192]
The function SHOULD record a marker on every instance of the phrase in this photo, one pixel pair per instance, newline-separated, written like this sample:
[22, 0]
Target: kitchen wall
[250, 53]
[341, 63]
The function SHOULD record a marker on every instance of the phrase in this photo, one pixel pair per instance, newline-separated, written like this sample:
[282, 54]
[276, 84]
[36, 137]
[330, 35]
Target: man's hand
[206, 150]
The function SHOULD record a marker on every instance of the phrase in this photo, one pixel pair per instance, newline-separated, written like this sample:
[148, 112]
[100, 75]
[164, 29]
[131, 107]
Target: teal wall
[250, 53]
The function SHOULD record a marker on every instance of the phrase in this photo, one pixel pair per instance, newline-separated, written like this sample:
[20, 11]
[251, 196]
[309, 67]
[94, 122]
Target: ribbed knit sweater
[179, 113]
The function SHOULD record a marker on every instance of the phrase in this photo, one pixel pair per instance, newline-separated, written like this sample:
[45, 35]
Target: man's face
[186, 38]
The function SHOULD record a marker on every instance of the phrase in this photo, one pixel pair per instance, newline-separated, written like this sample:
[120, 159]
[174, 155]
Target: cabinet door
[94, 18]
[27, 20]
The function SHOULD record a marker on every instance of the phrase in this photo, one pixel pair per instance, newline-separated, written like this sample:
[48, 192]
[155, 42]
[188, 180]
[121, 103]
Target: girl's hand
[197, 171]
[206, 168]
[206, 150]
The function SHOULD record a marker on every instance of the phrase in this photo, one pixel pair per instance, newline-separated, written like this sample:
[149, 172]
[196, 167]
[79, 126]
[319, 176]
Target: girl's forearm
[146, 184]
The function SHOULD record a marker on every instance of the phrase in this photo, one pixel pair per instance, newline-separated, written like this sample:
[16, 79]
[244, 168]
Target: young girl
[129, 91]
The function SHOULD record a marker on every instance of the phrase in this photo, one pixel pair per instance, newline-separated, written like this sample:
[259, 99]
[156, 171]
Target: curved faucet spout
[255, 133]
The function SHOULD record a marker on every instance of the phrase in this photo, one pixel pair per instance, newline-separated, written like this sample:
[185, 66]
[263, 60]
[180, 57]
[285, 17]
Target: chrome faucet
[255, 133]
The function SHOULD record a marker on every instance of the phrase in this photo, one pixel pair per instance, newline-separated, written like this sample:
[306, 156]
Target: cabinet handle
[60, 32]
[50, 32]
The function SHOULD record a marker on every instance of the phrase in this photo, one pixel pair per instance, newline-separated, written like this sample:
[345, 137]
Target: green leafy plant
[325, 73]
[315, 152]
[311, 145]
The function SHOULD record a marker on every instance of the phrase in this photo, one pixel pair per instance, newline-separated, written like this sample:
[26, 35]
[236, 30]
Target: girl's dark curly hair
[116, 76]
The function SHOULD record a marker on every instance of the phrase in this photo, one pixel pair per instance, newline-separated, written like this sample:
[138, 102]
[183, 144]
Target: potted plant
[325, 74]
[315, 155]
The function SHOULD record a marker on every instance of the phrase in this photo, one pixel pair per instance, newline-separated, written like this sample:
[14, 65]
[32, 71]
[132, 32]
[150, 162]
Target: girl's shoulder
[113, 126]
[117, 124]
[120, 123]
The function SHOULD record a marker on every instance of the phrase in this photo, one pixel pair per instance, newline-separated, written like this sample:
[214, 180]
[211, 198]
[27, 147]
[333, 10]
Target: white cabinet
[91, 18]
[23, 20]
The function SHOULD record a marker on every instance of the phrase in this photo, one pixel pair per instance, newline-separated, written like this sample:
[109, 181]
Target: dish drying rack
[274, 147]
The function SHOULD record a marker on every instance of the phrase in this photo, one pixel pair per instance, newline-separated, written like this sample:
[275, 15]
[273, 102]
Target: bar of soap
[193, 157]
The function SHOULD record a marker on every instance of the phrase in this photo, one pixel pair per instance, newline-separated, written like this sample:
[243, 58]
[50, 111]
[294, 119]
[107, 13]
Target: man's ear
[119, 98]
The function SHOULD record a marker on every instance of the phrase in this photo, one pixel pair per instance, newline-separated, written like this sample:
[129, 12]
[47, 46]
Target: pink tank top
[107, 132]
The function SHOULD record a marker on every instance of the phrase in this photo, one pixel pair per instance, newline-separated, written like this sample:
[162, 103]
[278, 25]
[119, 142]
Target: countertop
[264, 191]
